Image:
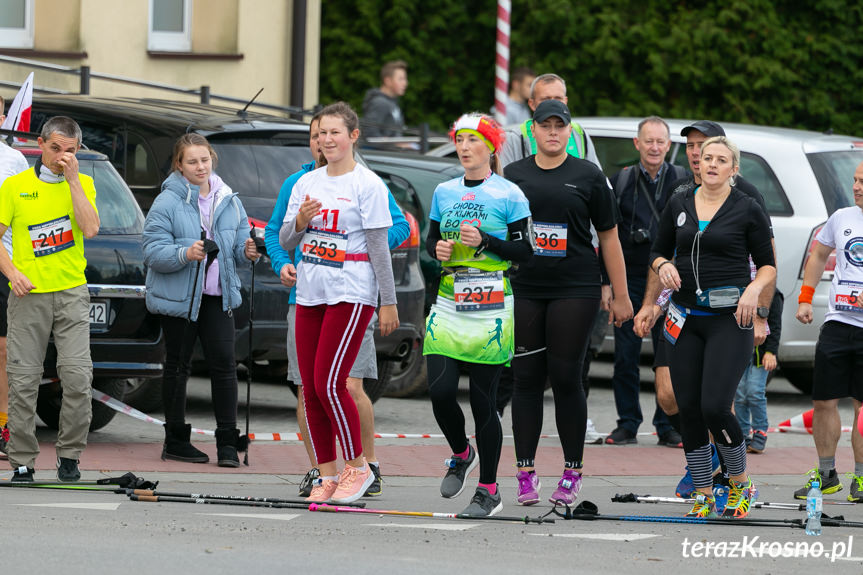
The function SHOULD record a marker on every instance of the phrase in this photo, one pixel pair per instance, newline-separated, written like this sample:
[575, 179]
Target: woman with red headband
[478, 225]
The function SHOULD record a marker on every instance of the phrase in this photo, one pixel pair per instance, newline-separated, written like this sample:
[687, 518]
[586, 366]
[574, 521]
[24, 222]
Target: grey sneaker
[308, 482]
[829, 483]
[67, 470]
[453, 482]
[758, 443]
[484, 504]
[856, 495]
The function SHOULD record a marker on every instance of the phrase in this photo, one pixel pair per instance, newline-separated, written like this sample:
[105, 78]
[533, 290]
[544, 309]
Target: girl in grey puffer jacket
[193, 286]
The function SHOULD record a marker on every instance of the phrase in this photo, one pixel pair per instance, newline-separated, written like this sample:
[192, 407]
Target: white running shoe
[591, 435]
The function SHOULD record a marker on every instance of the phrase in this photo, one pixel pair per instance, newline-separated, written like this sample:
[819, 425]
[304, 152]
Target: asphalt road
[85, 532]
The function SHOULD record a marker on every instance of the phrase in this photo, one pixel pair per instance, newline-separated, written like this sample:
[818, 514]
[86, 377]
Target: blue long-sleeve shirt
[396, 235]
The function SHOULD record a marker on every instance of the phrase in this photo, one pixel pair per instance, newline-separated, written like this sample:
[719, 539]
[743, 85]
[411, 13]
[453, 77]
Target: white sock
[330, 478]
[375, 464]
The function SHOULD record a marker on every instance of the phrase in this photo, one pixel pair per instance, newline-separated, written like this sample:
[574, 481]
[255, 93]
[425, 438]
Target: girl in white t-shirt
[339, 214]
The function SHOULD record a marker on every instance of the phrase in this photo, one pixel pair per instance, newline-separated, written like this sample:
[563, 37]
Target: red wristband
[806, 293]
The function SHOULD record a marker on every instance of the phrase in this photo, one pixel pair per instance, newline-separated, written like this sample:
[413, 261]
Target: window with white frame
[16, 23]
[170, 26]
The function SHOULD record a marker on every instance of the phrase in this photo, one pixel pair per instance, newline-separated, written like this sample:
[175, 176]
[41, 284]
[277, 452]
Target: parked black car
[256, 153]
[125, 341]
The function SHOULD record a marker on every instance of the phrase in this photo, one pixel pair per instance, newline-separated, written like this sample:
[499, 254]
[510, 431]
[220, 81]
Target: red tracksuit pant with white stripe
[328, 340]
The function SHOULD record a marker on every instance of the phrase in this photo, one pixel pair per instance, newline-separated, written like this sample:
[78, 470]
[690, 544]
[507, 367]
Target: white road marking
[94, 506]
[277, 516]
[438, 526]
[602, 536]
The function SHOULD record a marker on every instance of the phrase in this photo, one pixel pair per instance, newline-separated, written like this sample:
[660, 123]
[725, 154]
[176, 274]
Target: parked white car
[803, 176]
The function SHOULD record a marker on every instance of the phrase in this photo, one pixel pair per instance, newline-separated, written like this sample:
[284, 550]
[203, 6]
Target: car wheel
[144, 394]
[407, 377]
[800, 377]
[50, 399]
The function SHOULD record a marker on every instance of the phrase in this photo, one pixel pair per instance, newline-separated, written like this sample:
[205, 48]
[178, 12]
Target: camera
[640, 236]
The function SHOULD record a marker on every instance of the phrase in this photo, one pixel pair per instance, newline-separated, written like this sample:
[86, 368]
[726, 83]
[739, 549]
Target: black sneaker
[671, 439]
[453, 482]
[23, 475]
[621, 436]
[829, 484]
[67, 470]
[484, 504]
[309, 481]
[376, 488]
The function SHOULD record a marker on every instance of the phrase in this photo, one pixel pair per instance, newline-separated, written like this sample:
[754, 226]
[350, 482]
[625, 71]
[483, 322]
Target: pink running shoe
[322, 490]
[528, 488]
[353, 482]
[567, 488]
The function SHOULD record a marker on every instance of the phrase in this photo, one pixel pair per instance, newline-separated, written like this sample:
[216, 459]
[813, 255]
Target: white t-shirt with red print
[332, 270]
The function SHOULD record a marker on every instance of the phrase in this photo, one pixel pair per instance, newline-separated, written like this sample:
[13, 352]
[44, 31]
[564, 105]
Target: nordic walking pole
[587, 511]
[127, 480]
[152, 493]
[340, 509]
[633, 498]
[64, 486]
[251, 327]
[169, 499]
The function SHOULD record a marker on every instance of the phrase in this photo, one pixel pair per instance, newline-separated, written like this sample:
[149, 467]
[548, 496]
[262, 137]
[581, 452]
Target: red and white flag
[18, 117]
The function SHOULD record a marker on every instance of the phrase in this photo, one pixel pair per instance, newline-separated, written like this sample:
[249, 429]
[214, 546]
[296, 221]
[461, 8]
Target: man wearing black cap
[641, 191]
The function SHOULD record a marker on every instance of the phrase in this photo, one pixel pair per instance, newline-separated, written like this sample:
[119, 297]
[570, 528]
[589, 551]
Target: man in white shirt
[839, 352]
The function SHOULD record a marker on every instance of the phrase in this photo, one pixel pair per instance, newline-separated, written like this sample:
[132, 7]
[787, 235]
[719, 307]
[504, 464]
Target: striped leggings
[328, 340]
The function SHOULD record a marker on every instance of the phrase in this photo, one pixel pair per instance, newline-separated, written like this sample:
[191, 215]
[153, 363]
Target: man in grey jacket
[382, 115]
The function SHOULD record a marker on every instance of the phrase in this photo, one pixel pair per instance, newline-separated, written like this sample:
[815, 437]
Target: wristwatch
[763, 312]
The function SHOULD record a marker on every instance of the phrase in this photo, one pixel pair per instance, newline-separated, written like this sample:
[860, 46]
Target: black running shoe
[671, 439]
[308, 482]
[23, 475]
[453, 482]
[67, 470]
[376, 488]
[484, 504]
[621, 436]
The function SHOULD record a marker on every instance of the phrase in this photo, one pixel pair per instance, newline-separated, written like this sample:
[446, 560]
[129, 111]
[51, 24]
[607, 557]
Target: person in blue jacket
[365, 366]
[181, 268]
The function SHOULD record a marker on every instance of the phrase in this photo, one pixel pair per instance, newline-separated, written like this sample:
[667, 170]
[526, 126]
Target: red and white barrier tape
[121, 407]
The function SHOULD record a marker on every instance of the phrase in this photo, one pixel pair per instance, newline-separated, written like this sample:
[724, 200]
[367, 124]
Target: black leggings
[215, 328]
[707, 362]
[443, 376]
[551, 338]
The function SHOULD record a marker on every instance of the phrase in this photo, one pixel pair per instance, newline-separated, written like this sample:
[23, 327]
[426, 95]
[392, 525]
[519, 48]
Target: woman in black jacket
[710, 233]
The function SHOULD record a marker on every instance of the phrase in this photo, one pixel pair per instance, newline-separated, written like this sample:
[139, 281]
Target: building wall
[114, 37]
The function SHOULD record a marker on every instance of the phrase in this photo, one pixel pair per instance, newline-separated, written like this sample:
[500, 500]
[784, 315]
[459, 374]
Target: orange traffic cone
[799, 423]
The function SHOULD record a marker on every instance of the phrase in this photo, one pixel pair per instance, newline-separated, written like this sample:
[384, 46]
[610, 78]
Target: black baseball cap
[706, 127]
[549, 108]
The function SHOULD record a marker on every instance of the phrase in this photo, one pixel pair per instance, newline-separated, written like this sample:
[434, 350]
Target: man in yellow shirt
[50, 209]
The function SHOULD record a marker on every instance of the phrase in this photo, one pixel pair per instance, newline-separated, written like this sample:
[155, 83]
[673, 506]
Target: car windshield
[835, 174]
[118, 211]
[273, 162]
